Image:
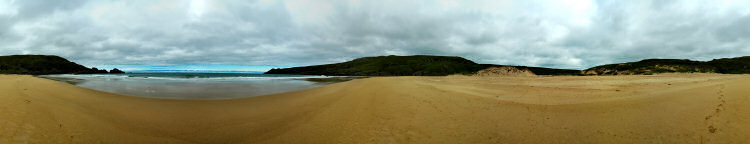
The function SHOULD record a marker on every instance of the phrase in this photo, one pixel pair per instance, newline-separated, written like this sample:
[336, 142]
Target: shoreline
[73, 81]
[333, 79]
[193, 86]
[672, 108]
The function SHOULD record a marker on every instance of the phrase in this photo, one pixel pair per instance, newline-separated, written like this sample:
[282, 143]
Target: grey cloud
[273, 32]
[735, 30]
[35, 8]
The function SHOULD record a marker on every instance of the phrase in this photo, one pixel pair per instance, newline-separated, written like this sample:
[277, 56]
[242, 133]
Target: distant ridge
[417, 65]
[43, 64]
[739, 65]
[424, 65]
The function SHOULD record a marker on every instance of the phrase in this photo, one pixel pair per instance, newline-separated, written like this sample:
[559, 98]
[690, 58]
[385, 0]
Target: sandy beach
[667, 108]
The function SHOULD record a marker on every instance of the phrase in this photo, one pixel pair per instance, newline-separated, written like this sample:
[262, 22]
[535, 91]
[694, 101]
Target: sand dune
[504, 72]
[671, 108]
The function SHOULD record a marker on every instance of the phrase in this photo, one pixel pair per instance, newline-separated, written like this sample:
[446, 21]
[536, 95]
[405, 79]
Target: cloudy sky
[561, 34]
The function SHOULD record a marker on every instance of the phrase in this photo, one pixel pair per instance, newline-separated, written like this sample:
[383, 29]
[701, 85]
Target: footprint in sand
[711, 129]
[717, 110]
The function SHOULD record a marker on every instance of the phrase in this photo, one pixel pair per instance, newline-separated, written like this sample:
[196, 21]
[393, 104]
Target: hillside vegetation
[737, 65]
[42, 64]
[418, 65]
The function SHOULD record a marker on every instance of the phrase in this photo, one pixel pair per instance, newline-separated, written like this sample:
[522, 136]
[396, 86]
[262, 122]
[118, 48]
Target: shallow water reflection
[194, 88]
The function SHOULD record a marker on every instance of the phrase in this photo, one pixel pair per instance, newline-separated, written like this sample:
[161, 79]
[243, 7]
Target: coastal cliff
[42, 64]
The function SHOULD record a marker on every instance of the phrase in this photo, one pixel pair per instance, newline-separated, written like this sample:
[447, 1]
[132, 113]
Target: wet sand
[669, 108]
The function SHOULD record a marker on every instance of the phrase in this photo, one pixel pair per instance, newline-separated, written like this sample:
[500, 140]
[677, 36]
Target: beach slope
[669, 108]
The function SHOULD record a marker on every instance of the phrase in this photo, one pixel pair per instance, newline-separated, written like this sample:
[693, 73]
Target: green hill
[388, 66]
[650, 66]
[418, 65]
[739, 65]
[41, 64]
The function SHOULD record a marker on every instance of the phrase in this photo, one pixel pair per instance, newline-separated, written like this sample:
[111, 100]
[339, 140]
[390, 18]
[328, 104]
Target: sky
[574, 34]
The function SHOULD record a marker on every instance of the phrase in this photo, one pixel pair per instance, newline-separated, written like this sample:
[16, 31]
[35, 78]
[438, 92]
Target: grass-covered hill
[650, 66]
[41, 64]
[389, 66]
[418, 65]
[738, 65]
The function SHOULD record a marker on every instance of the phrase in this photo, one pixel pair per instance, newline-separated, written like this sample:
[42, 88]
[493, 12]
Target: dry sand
[672, 108]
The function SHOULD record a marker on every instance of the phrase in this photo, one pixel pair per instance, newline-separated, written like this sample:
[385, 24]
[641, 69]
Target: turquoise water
[193, 85]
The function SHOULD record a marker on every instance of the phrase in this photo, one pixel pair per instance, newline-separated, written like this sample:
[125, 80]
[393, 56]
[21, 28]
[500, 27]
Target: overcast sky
[561, 34]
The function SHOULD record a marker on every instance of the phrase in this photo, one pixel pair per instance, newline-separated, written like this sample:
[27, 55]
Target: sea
[183, 85]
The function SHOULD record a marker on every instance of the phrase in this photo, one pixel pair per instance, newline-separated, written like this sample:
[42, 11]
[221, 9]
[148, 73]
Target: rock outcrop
[116, 71]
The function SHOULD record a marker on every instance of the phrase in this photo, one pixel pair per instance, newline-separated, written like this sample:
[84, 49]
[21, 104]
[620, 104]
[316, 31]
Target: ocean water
[191, 85]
